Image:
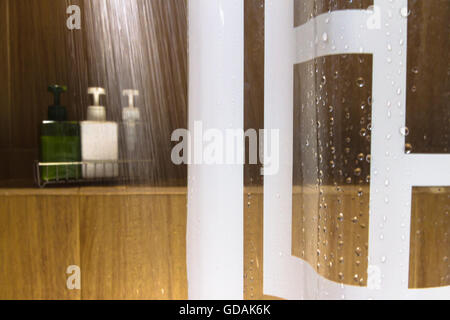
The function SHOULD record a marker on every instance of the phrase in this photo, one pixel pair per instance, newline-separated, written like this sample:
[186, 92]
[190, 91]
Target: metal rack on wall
[91, 172]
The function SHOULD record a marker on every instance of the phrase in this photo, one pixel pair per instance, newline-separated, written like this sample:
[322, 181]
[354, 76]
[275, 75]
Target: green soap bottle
[59, 142]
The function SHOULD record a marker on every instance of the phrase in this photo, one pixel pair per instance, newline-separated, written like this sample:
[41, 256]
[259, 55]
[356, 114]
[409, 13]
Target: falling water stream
[139, 45]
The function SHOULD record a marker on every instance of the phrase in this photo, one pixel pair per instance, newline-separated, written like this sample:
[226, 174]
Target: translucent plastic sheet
[359, 226]
[359, 206]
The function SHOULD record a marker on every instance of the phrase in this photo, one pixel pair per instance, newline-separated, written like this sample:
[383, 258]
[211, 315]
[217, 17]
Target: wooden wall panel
[330, 230]
[4, 166]
[326, 94]
[253, 240]
[41, 52]
[254, 81]
[122, 44]
[5, 112]
[40, 55]
[428, 77]
[39, 239]
[145, 49]
[430, 238]
[131, 242]
[133, 246]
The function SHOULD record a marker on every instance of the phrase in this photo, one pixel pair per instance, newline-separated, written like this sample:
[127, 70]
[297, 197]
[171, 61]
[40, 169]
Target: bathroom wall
[5, 135]
[32, 47]
[129, 243]
[428, 88]
[254, 30]
[143, 44]
[122, 44]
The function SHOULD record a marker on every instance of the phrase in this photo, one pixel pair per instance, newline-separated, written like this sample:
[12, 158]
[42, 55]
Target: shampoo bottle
[59, 142]
[99, 141]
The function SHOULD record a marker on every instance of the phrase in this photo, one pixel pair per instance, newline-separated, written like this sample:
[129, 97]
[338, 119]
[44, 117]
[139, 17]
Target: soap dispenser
[59, 142]
[132, 137]
[131, 117]
[99, 141]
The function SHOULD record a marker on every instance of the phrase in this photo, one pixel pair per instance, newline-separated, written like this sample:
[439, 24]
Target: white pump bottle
[99, 141]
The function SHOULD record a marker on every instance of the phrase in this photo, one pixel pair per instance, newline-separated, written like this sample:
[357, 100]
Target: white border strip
[335, 33]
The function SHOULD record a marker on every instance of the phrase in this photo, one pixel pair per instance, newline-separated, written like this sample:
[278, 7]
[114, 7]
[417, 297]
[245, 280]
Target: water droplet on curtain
[408, 148]
[404, 131]
[360, 82]
[405, 12]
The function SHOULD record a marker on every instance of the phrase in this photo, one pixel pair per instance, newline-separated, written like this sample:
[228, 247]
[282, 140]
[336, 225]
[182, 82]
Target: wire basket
[90, 172]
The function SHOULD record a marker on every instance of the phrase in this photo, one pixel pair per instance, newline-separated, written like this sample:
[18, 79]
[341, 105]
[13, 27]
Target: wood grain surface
[130, 243]
[5, 107]
[39, 239]
[133, 246]
[430, 238]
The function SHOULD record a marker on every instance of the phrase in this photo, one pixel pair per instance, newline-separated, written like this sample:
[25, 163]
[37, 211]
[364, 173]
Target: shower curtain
[358, 91]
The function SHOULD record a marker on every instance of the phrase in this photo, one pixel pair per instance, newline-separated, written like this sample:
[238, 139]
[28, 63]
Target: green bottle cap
[56, 112]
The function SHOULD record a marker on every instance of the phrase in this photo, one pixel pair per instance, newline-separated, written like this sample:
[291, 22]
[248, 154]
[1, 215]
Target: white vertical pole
[215, 192]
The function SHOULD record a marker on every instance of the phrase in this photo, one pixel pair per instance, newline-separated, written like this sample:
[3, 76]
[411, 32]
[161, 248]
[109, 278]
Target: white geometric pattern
[381, 31]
